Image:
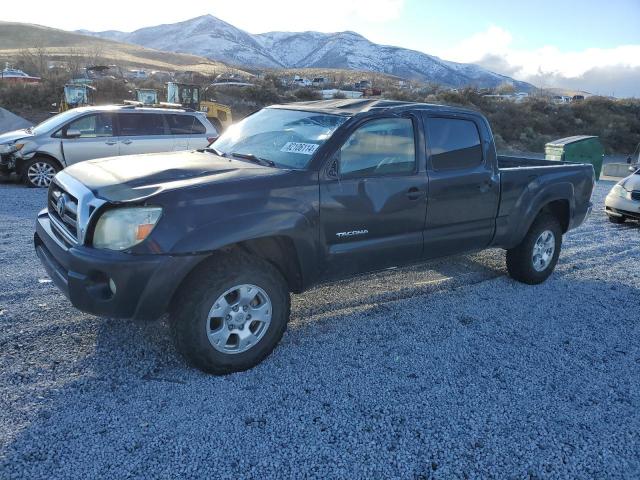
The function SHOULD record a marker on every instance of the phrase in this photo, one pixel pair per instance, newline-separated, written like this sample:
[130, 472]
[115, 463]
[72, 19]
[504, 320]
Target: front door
[96, 138]
[372, 211]
[464, 188]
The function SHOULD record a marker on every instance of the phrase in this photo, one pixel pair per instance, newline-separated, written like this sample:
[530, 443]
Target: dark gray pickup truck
[292, 196]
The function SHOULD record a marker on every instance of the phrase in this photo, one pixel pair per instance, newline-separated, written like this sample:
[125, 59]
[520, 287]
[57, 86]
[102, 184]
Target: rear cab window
[453, 143]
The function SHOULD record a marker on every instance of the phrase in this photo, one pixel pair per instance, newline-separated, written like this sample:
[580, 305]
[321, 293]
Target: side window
[139, 124]
[185, 125]
[454, 144]
[93, 126]
[379, 147]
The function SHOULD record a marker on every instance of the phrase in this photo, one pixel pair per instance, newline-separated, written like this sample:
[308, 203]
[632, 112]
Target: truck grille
[635, 195]
[63, 212]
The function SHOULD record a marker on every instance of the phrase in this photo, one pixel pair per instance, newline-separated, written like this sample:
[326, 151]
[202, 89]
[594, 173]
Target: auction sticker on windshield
[303, 148]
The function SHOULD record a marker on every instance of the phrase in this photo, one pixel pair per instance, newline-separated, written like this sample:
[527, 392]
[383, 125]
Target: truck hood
[10, 137]
[137, 177]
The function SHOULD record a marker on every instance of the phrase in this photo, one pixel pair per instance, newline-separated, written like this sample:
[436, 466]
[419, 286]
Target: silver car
[623, 201]
[36, 154]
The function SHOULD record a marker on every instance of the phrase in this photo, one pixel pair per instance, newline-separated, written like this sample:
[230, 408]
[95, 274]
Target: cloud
[599, 70]
[614, 80]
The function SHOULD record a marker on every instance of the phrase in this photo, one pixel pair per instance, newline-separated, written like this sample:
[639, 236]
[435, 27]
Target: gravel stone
[444, 370]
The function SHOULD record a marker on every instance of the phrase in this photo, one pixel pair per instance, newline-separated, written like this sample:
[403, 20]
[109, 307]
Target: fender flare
[529, 205]
[218, 235]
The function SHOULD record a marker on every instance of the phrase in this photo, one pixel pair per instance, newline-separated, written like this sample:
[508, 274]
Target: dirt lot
[448, 370]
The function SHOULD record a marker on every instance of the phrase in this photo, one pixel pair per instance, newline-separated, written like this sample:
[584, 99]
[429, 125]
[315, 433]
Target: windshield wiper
[214, 150]
[251, 157]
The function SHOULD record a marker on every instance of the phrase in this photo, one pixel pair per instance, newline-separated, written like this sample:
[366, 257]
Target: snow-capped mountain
[213, 38]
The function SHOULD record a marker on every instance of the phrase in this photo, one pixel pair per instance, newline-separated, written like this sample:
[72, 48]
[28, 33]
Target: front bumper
[144, 284]
[7, 164]
[622, 207]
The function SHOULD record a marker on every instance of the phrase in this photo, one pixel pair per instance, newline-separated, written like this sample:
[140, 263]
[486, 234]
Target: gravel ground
[450, 370]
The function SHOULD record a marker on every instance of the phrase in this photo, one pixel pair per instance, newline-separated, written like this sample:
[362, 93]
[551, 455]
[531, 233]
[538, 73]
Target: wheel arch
[278, 250]
[20, 166]
[557, 199]
[561, 210]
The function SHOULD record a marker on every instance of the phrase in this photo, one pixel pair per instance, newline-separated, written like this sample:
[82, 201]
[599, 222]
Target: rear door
[96, 138]
[464, 187]
[373, 198]
[143, 133]
[187, 131]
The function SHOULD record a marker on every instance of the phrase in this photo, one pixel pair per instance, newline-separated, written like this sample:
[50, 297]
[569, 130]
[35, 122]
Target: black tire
[189, 314]
[45, 163]
[617, 220]
[520, 263]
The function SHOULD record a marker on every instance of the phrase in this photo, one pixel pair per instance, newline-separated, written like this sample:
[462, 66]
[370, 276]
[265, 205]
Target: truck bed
[524, 185]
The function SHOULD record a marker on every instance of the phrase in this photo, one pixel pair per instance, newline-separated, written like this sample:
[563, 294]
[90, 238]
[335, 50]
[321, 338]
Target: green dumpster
[577, 149]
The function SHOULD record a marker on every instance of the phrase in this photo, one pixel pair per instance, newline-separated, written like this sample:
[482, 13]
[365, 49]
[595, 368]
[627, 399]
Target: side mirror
[72, 133]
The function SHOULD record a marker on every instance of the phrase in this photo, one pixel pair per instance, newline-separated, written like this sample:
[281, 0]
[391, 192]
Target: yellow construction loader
[190, 96]
[76, 95]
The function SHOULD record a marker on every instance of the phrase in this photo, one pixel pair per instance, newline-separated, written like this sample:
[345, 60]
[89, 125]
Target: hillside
[16, 37]
[213, 38]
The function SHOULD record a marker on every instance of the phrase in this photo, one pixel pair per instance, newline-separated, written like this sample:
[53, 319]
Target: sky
[589, 45]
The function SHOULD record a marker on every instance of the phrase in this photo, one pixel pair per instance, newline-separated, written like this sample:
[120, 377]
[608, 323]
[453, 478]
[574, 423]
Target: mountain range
[218, 40]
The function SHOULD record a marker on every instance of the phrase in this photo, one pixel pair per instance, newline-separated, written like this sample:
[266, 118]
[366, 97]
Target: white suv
[38, 153]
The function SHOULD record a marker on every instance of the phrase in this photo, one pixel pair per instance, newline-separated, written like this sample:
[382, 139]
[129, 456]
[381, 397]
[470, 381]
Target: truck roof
[352, 106]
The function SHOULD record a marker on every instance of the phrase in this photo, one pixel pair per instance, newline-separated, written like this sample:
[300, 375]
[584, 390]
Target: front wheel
[230, 314]
[39, 172]
[534, 259]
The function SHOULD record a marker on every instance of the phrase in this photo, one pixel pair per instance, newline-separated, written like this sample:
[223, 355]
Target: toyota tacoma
[290, 197]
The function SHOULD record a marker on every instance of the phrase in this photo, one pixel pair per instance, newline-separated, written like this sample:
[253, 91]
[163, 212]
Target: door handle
[414, 193]
[127, 142]
[110, 142]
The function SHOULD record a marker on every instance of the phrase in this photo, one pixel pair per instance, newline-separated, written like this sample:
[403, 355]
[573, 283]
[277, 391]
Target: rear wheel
[618, 220]
[230, 314]
[534, 259]
[39, 172]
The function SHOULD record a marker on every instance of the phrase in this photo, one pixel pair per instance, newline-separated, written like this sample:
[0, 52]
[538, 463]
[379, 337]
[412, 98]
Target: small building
[319, 81]
[13, 75]
[138, 74]
[362, 85]
[300, 82]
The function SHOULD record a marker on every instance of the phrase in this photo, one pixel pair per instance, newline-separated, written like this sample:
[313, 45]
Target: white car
[36, 154]
[623, 201]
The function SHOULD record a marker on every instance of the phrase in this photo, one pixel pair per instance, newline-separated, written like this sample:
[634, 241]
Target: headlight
[10, 148]
[619, 191]
[123, 228]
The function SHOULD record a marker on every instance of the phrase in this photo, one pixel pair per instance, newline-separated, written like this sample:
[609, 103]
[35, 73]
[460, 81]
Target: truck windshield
[287, 138]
